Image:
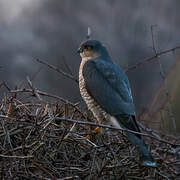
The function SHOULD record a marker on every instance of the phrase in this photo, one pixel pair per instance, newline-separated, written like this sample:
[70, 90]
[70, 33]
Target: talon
[98, 130]
[95, 131]
[88, 137]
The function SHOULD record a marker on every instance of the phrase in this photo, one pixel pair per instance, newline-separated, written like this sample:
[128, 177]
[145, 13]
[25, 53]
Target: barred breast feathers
[92, 105]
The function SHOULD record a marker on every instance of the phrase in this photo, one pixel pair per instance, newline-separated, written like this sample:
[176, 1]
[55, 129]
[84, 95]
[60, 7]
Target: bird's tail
[129, 122]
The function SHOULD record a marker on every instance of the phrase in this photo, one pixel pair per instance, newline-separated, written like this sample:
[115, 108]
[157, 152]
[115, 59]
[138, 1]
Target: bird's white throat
[89, 55]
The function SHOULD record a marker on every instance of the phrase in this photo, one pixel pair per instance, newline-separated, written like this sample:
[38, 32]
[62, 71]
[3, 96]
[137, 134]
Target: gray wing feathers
[109, 86]
[116, 78]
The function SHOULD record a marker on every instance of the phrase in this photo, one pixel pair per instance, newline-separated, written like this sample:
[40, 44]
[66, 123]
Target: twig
[56, 158]
[58, 70]
[92, 165]
[70, 131]
[151, 58]
[23, 105]
[18, 157]
[67, 66]
[165, 82]
[126, 70]
[33, 89]
[50, 120]
[115, 128]
[70, 178]
[41, 93]
[102, 168]
[171, 114]
[162, 175]
[149, 130]
[7, 133]
[153, 41]
[86, 139]
[6, 86]
[44, 170]
[52, 96]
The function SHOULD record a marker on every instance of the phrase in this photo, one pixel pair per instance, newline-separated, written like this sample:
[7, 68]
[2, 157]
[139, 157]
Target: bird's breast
[92, 105]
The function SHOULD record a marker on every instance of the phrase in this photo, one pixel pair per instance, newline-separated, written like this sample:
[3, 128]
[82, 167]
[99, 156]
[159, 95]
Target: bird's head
[92, 49]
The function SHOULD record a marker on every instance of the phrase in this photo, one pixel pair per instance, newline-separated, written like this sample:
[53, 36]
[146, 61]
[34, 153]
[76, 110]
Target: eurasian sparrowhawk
[106, 90]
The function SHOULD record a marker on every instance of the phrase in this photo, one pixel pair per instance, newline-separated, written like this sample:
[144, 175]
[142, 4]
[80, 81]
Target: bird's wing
[109, 86]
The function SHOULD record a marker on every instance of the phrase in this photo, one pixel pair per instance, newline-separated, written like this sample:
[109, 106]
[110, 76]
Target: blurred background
[52, 31]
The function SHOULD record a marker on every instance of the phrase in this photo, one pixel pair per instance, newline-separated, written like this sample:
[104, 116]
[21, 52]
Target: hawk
[106, 90]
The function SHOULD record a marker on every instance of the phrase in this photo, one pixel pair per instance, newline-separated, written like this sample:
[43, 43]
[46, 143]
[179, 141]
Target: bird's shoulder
[105, 66]
[108, 69]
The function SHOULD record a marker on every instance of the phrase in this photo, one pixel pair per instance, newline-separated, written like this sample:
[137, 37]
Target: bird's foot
[88, 137]
[98, 130]
[95, 131]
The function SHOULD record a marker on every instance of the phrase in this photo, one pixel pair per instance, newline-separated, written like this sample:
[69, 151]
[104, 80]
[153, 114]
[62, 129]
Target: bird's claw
[98, 130]
[88, 137]
[95, 131]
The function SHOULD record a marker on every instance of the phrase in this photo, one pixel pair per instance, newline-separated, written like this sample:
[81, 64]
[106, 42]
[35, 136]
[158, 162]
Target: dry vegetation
[43, 136]
[36, 142]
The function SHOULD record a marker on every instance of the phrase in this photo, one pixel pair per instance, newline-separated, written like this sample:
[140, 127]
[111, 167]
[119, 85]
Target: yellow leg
[97, 129]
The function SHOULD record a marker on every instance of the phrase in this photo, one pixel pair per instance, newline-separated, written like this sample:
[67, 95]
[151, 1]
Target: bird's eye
[88, 48]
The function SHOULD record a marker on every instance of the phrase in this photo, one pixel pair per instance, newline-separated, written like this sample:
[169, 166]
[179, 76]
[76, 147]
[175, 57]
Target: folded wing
[109, 86]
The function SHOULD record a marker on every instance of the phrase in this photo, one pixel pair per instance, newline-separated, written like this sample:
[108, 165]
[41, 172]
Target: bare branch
[153, 41]
[40, 151]
[58, 70]
[115, 128]
[151, 58]
[33, 89]
[67, 66]
[6, 86]
[19, 157]
[52, 96]
[171, 114]
[70, 76]
[43, 94]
